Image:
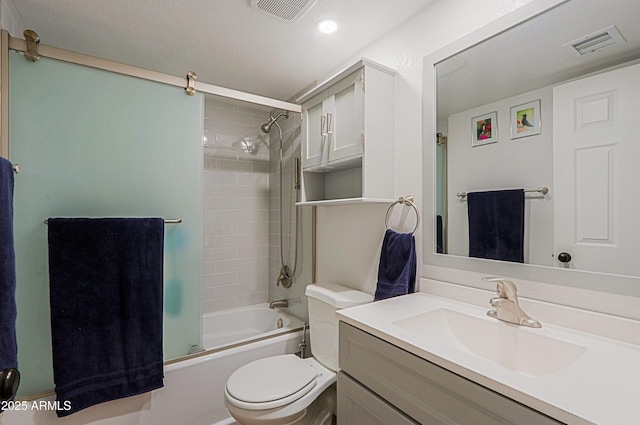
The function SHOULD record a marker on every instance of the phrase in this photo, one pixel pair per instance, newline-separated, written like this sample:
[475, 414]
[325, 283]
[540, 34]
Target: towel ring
[407, 201]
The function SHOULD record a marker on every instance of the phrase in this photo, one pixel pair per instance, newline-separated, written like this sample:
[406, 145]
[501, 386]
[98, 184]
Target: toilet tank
[324, 300]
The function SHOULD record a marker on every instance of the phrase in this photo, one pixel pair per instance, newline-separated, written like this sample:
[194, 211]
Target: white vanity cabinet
[358, 405]
[347, 129]
[387, 385]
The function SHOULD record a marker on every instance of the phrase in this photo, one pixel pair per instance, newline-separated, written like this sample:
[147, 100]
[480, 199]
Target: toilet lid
[276, 380]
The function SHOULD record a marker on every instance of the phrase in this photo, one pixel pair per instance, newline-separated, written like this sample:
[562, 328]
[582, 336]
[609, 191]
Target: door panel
[314, 127]
[347, 110]
[595, 158]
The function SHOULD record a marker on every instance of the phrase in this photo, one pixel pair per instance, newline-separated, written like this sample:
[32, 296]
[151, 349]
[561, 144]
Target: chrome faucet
[506, 304]
[279, 303]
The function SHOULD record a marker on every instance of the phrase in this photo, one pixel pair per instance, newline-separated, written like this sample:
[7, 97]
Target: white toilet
[286, 389]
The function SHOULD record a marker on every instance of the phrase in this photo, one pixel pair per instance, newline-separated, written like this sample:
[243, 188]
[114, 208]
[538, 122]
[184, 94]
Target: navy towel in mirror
[496, 225]
[439, 235]
[8, 346]
[106, 308]
[397, 270]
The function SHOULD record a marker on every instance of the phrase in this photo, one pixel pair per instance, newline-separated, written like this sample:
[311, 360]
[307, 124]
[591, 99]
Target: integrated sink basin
[511, 346]
[572, 376]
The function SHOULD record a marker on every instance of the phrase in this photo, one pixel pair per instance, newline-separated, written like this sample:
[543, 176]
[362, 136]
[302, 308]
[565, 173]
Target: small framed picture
[484, 129]
[525, 120]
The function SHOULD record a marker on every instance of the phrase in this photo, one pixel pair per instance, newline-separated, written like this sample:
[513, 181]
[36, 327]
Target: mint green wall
[92, 143]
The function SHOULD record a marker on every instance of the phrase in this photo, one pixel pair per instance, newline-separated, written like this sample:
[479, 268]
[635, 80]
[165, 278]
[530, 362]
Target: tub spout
[279, 303]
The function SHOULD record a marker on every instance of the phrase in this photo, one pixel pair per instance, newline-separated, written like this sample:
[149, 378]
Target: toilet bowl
[281, 390]
[286, 389]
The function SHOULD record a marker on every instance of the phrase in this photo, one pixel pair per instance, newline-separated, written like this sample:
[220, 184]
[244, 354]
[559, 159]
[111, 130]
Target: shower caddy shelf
[341, 116]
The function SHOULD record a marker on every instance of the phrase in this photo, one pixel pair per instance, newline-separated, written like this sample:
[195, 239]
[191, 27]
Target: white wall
[348, 243]
[10, 19]
[354, 230]
[508, 164]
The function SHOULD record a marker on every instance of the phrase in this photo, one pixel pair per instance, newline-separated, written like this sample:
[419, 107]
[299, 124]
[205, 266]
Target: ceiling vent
[596, 41]
[283, 10]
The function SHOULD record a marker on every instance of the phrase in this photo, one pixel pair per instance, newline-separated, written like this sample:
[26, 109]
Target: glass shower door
[91, 143]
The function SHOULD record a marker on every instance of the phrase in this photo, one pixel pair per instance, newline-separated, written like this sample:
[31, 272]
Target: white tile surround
[241, 252]
[236, 208]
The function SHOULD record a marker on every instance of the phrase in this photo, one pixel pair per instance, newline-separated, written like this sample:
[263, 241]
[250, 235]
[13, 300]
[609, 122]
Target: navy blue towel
[106, 308]
[496, 225]
[8, 345]
[397, 270]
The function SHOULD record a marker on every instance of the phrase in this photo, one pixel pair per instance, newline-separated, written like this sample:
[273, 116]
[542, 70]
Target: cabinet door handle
[323, 131]
[329, 127]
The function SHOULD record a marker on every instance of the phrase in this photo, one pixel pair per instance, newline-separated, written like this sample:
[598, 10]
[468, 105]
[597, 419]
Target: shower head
[266, 127]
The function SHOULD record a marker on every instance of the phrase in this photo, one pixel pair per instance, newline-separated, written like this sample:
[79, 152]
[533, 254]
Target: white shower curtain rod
[119, 68]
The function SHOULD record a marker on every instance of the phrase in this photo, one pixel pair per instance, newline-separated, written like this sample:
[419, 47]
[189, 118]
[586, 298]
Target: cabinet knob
[564, 257]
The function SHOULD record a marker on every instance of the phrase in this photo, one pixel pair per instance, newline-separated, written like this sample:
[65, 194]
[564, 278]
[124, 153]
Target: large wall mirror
[542, 99]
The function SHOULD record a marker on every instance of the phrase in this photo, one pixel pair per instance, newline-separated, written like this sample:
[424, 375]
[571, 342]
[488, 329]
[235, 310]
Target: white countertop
[602, 386]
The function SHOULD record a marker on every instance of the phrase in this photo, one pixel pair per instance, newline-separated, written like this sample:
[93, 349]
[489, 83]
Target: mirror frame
[617, 284]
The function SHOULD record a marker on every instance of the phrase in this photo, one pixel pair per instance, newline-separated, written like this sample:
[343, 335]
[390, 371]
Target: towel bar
[542, 189]
[166, 221]
[408, 200]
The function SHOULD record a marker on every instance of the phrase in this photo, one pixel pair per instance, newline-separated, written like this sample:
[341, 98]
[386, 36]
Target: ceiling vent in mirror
[595, 42]
[283, 10]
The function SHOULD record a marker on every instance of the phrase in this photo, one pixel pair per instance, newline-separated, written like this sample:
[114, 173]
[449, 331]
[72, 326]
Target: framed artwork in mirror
[484, 129]
[525, 120]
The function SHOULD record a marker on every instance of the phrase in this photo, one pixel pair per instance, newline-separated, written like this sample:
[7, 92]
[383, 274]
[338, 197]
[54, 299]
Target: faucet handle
[504, 288]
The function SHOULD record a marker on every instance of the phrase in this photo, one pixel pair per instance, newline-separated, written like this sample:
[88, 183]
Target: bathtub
[242, 324]
[193, 392]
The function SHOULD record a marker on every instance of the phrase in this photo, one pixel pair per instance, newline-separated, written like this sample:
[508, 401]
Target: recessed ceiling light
[327, 26]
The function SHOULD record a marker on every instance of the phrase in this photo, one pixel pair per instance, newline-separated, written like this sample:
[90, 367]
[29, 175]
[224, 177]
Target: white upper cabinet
[334, 123]
[347, 125]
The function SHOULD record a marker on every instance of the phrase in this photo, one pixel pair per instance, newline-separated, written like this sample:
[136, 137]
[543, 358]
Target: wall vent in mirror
[596, 42]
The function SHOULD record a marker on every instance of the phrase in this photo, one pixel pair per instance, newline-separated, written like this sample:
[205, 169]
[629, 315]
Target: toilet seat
[270, 382]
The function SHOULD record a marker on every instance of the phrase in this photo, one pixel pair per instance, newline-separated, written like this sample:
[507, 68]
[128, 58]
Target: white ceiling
[531, 56]
[225, 41]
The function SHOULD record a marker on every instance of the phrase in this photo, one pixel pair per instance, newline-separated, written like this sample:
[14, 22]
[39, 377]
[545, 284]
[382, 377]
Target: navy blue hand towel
[397, 270]
[496, 225]
[8, 346]
[106, 308]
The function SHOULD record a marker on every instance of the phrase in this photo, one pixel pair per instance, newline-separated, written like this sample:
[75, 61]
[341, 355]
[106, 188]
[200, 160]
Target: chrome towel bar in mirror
[542, 189]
